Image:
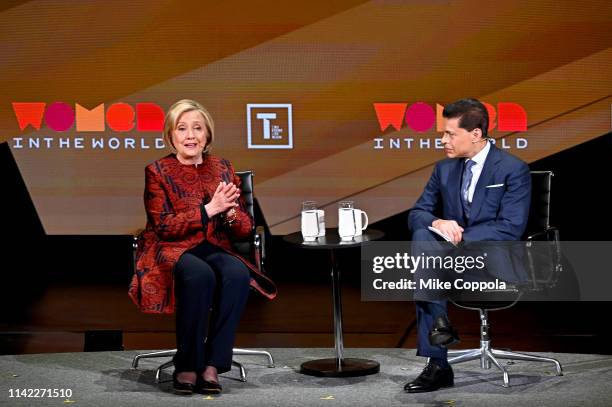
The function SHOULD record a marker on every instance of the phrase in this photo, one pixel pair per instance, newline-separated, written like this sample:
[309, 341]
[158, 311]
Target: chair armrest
[550, 234]
[259, 239]
[545, 233]
[135, 239]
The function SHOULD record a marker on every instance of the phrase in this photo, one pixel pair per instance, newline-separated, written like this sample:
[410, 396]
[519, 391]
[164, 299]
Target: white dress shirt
[479, 159]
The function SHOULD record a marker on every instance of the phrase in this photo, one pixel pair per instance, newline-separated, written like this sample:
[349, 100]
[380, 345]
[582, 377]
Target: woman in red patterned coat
[185, 259]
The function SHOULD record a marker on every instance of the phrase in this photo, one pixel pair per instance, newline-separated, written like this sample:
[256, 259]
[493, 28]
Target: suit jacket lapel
[485, 178]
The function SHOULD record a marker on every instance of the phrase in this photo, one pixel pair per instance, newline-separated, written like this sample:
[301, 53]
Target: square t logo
[269, 125]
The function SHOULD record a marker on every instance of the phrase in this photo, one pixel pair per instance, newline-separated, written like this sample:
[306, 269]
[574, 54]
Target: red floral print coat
[174, 196]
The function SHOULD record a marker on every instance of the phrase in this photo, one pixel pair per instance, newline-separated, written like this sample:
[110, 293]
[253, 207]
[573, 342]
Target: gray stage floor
[106, 379]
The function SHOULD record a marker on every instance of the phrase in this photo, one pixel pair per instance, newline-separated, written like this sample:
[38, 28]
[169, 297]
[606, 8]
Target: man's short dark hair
[472, 114]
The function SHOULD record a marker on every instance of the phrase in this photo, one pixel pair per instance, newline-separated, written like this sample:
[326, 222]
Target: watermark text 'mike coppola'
[437, 284]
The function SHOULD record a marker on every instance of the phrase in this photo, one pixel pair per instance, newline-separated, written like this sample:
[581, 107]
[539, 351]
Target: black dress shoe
[443, 333]
[207, 387]
[432, 378]
[182, 388]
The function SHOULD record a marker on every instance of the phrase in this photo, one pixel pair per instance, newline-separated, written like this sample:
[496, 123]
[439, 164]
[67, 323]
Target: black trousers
[208, 283]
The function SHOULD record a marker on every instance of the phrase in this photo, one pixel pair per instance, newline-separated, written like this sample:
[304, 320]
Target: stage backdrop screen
[324, 100]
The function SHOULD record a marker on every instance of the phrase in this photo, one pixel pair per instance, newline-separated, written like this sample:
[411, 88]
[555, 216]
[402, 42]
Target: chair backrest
[539, 211]
[246, 177]
[244, 247]
[544, 255]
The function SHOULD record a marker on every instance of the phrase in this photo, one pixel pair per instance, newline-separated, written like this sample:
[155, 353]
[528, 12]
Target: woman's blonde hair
[183, 106]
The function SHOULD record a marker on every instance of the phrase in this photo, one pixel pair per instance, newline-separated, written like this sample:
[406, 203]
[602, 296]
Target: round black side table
[338, 366]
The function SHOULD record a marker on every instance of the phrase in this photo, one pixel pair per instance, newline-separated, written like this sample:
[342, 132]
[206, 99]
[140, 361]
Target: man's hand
[450, 228]
[224, 198]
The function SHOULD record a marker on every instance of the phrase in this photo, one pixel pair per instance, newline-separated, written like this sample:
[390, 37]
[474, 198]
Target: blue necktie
[465, 187]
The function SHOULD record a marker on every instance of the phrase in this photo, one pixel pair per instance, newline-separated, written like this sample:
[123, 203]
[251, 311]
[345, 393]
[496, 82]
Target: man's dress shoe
[443, 333]
[432, 378]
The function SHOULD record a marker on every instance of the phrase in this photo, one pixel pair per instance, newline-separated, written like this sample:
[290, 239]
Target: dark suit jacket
[497, 213]
[174, 194]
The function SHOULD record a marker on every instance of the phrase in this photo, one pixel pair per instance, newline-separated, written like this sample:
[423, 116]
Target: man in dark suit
[479, 193]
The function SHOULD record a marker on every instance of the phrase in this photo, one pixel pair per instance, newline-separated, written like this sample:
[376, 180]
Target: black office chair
[543, 275]
[251, 248]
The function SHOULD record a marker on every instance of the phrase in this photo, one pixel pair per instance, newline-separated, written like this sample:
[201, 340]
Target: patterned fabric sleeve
[168, 224]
